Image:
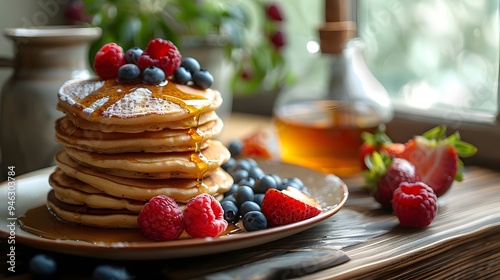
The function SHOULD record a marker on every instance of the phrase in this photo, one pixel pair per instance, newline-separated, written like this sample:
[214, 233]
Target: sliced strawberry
[379, 142]
[437, 159]
[256, 144]
[288, 206]
[394, 149]
[300, 195]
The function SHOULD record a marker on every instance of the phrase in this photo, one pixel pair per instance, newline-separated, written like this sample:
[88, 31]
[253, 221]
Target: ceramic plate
[31, 190]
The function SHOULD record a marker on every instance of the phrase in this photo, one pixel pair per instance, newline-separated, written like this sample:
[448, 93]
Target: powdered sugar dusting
[73, 89]
[96, 105]
[140, 102]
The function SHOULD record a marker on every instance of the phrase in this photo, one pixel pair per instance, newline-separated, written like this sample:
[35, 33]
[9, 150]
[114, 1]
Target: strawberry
[379, 142]
[386, 174]
[256, 144]
[437, 159]
[288, 206]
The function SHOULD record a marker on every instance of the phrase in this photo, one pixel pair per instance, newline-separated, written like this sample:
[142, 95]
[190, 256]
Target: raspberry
[161, 219]
[204, 217]
[415, 204]
[160, 53]
[108, 60]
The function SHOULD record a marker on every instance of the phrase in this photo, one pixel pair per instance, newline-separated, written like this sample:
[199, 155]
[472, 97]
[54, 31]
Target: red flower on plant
[75, 13]
[246, 74]
[278, 39]
[273, 12]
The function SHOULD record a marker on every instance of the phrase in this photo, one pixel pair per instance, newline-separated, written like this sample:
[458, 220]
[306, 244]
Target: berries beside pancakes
[415, 204]
[161, 219]
[204, 217]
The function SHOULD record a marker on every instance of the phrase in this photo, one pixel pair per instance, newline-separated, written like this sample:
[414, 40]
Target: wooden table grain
[362, 241]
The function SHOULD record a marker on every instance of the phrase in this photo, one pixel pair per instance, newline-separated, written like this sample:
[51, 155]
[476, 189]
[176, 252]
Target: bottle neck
[337, 84]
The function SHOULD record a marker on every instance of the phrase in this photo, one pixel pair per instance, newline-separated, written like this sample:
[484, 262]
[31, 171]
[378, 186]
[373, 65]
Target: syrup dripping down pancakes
[125, 143]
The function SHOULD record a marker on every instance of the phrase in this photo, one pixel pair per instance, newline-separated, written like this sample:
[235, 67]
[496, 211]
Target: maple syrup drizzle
[197, 157]
[112, 91]
[41, 222]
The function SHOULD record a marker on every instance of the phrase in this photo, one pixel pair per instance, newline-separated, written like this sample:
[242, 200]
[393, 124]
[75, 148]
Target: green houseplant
[248, 32]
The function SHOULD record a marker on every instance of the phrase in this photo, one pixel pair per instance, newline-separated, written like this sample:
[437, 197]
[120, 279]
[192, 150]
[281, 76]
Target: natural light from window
[434, 53]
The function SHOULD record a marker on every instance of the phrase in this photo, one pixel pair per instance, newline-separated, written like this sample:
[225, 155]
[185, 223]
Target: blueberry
[258, 197]
[244, 193]
[190, 64]
[203, 79]
[265, 183]
[248, 206]
[232, 190]
[153, 75]
[107, 272]
[238, 174]
[230, 197]
[128, 72]
[277, 178]
[229, 164]
[182, 75]
[256, 173]
[231, 211]
[254, 220]
[294, 182]
[243, 164]
[247, 181]
[253, 163]
[43, 266]
[235, 147]
[132, 55]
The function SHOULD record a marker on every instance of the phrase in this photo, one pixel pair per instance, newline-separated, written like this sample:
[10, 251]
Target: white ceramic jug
[45, 57]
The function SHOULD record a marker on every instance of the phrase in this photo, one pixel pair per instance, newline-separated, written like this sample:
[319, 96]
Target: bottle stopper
[338, 27]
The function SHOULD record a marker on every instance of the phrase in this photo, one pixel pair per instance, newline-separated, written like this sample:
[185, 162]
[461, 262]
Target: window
[439, 61]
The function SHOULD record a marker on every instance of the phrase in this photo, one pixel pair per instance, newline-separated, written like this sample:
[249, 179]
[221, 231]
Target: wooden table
[360, 242]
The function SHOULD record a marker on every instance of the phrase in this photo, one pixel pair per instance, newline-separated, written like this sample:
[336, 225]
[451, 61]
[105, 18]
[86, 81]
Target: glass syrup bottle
[319, 121]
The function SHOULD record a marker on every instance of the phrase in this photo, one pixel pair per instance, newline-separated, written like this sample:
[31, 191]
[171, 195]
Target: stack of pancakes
[126, 143]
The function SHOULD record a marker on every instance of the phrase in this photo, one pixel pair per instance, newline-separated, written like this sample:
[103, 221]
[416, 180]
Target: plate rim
[160, 248]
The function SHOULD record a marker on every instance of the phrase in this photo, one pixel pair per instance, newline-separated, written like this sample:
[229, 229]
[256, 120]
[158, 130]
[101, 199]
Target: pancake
[167, 140]
[180, 190]
[109, 102]
[95, 217]
[73, 191]
[85, 215]
[156, 165]
[189, 122]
